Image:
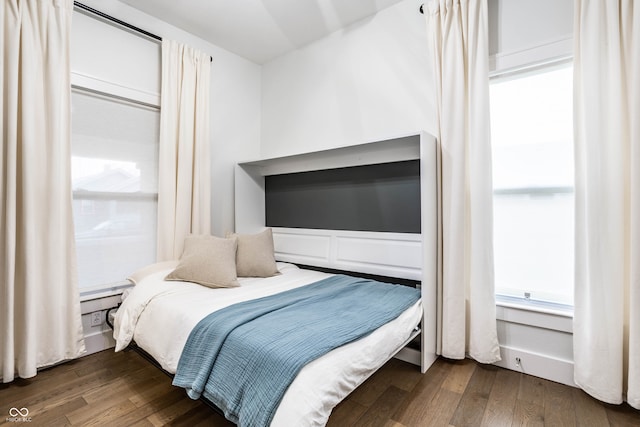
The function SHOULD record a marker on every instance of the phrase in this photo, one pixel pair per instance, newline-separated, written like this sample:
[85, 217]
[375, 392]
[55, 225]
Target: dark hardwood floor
[123, 389]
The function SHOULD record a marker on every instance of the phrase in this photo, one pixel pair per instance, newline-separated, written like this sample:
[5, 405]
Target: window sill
[537, 306]
[90, 294]
[538, 314]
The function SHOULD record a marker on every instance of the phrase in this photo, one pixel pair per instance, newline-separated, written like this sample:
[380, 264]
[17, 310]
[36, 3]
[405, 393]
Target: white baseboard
[538, 365]
[99, 341]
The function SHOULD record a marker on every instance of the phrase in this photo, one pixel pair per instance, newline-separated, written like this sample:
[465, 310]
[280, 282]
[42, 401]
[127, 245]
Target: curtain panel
[606, 329]
[184, 187]
[458, 34]
[40, 321]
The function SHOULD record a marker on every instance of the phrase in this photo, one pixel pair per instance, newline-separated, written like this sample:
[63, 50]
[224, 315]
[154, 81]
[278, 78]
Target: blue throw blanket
[243, 357]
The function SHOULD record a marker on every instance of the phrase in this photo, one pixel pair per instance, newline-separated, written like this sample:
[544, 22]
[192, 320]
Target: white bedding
[159, 315]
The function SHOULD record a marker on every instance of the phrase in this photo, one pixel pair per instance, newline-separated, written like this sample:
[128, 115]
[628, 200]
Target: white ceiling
[260, 30]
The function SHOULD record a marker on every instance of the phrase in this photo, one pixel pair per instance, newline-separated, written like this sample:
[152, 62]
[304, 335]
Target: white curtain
[607, 145]
[184, 162]
[459, 43]
[39, 301]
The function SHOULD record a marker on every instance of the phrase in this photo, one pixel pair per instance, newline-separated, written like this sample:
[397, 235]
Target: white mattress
[159, 315]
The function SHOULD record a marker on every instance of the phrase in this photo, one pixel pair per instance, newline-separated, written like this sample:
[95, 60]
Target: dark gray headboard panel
[381, 197]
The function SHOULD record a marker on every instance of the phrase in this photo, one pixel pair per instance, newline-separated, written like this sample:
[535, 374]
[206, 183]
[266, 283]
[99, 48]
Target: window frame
[85, 88]
[524, 302]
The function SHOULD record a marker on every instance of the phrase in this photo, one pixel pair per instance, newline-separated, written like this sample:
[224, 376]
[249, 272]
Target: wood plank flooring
[123, 389]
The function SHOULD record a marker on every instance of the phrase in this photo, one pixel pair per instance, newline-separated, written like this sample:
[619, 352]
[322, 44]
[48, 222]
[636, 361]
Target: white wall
[365, 83]
[117, 61]
[371, 80]
[536, 342]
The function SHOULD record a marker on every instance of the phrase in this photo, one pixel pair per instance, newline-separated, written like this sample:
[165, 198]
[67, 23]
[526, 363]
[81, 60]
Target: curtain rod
[118, 21]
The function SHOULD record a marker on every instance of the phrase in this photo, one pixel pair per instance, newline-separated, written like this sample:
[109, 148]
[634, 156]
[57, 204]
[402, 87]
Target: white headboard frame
[404, 255]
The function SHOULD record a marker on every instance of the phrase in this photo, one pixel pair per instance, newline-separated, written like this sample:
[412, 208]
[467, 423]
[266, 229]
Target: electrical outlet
[96, 318]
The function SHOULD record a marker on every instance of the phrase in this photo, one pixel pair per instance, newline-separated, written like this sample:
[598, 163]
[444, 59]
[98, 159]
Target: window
[532, 144]
[114, 178]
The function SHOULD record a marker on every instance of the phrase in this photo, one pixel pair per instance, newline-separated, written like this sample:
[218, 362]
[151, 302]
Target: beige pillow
[209, 261]
[255, 257]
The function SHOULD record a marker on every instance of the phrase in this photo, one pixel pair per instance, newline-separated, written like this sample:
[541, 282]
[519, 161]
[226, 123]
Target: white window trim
[103, 291]
[526, 61]
[96, 87]
[536, 306]
[82, 81]
[540, 54]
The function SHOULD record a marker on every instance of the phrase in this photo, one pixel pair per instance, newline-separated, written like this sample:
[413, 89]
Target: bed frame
[410, 256]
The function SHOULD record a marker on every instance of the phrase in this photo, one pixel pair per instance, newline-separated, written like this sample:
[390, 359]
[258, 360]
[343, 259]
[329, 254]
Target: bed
[159, 315]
